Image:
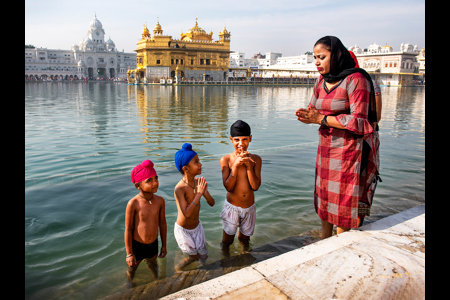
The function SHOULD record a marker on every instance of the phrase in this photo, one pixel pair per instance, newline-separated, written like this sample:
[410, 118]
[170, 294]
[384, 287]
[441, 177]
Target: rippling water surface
[83, 139]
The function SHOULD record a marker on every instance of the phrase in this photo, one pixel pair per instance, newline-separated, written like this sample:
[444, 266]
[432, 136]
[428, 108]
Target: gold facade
[195, 54]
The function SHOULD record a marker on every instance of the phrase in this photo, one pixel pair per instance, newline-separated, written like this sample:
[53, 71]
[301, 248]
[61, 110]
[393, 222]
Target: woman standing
[343, 103]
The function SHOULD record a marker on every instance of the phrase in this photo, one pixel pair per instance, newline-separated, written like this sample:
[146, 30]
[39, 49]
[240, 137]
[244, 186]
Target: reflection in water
[400, 105]
[267, 102]
[194, 114]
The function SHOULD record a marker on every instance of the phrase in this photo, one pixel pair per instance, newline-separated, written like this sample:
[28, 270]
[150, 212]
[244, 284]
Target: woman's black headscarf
[342, 64]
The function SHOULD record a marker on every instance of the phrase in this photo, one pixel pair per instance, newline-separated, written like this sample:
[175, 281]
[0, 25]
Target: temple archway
[101, 72]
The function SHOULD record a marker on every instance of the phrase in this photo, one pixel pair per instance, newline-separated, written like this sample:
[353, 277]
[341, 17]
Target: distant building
[273, 64]
[93, 57]
[299, 62]
[391, 67]
[385, 64]
[271, 60]
[194, 56]
[238, 60]
[258, 56]
[421, 60]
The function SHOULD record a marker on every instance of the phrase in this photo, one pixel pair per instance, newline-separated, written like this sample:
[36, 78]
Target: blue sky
[290, 27]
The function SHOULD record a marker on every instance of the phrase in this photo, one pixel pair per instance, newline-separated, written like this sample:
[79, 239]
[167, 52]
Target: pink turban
[143, 171]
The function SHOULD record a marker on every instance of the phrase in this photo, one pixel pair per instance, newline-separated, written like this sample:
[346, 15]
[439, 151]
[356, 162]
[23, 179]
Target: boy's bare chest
[148, 211]
[189, 195]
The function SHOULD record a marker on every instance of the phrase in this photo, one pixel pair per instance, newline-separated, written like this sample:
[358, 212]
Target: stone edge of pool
[384, 259]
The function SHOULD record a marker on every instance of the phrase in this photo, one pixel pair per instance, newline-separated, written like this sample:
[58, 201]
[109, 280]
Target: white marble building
[382, 59]
[238, 60]
[388, 66]
[95, 57]
[392, 67]
[274, 64]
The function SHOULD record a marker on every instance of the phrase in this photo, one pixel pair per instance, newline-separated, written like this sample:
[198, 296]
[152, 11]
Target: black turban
[240, 128]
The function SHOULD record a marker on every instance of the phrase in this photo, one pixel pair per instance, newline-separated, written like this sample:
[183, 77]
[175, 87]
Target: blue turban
[184, 156]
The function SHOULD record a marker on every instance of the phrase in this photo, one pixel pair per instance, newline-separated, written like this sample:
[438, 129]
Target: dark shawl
[342, 65]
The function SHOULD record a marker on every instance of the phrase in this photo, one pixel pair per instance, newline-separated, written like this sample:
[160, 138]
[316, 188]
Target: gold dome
[196, 29]
[225, 34]
[158, 29]
[196, 33]
[146, 32]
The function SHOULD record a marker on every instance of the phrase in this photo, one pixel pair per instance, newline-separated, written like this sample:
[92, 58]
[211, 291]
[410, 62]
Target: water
[83, 139]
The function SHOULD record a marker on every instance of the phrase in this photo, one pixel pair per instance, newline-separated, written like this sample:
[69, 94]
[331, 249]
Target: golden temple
[195, 56]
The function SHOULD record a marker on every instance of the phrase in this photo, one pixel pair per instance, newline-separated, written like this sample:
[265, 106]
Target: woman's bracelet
[129, 255]
[232, 175]
[194, 203]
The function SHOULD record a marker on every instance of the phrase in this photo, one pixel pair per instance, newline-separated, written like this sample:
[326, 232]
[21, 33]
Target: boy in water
[145, 212]
[188, 228]
[241, 175]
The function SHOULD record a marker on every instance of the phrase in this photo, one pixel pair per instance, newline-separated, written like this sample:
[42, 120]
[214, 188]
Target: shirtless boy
[188, 228]
[145, 213]
[241, 175]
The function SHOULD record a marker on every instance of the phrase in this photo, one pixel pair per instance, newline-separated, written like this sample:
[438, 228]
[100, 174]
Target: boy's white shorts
[234, 217]
[191, 241]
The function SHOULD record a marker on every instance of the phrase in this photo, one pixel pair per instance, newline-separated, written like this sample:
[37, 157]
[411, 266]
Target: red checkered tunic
[341, 191]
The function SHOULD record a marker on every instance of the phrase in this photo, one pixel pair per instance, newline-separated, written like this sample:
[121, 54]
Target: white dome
[110, 42]
[406, 47]
[95, 23]
[374, 48]
[88, 41]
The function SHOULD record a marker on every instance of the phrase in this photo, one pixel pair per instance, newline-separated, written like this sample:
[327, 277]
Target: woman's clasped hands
[309, 115]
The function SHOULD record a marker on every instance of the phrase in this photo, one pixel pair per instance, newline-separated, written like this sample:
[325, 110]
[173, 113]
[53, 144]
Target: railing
[252, 81]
